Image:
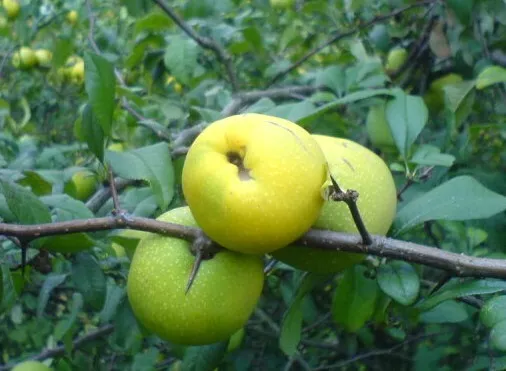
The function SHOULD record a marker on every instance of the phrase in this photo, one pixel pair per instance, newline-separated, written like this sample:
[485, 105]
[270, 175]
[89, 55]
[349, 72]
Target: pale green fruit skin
[220, 301]
[279, 202]
[378, 129]
[31, 366]
[44, 57]
[12, 8]
[354, 167]
[82, 185]
[395, 59]
[236, 340]
[434, 98]
[24, 58]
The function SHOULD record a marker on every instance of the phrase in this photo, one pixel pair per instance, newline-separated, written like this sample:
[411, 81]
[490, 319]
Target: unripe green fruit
[24, 58]
[82, 185]
[354, 167]
[31, 366]
[281, 4]
[434, 98]
[395, 59]
[12, 8]
[378, 129]
[220, 301]
[44, 57]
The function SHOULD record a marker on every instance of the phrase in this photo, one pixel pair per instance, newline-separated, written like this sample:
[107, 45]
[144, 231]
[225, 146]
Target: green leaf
[462, 8]
[92, 132]
[350, 98]
[37, 183]
[69, 208]
[406, 116]
[152, 163]
[50, 283]
[181, 58]
[490, 76]
[494, 311]
[498, 336]
[153, 22]
[1, 288]
[456, 289]
[25, 206]
[126, 330]
[115, 295]
[461, 198]
[430, 155]
[68, 243]
[89, 280]
[292, 321]
[64, 326]
[399, 281]
[446, 312]
[62, 50]
[205, 357]
[146, 360]
[293, 111]
[100, 84]
[355, 299]
[9, 291]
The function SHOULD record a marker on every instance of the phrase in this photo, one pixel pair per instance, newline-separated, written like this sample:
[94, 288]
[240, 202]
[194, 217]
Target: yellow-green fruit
[31, 366]
[72, 17]
[12, 8]
[253, 182]
[117, 147]
[281, 4]
[395, 59]
[77, 73]
[44, 57]
[236, 340]
[24, 58]
[378, 129]
[220, 301]
[119, 250]
[434, 98]
[82, 185]
[354, 167]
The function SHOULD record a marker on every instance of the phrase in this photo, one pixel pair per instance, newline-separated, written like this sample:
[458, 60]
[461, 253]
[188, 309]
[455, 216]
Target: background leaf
[399, 281]
[89, 280]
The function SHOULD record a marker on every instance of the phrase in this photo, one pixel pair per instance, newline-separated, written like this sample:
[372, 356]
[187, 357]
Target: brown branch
[204, 42]
[77, 343]
[102, 195]
[339, 36]
[457, 264]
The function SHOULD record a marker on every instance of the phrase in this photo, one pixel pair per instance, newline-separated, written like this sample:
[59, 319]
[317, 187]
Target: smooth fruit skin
[24, 58]
[354, 167]
[82, 185]
[72, 17]
[271, 202]
[31, 366]
[220, 301]
[44, 57]
[434, 98]
[395, 59]
[12, 8]
[378, 129]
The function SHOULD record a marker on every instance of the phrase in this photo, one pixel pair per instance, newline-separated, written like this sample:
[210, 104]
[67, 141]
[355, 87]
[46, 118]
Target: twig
[350, 198]
[187, 135]
[144, 121]
[338, 36]
[102, 195]
[77, 343]
[204, 42]
[114, 193]
[458, 264]
[91, 29]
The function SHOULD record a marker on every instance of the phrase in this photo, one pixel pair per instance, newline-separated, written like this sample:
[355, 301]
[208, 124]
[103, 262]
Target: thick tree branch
[77, 343]
[456, 264]
[341, 35]
[204, 42]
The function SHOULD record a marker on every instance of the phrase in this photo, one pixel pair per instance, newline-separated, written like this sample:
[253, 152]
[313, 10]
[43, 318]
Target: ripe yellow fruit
[24, 58]
[378, 129]
[82, 185]
[253, 182]
[31, 366]
[354, 167]
[220, 301]
[44, 57]
[395, 59]
[12, 8]
[72, 17]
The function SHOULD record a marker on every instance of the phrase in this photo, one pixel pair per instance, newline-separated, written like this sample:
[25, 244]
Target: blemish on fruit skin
[291, 132]
[348, 163]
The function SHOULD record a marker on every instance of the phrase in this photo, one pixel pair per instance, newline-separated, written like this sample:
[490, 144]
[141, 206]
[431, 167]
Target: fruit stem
[350, 198]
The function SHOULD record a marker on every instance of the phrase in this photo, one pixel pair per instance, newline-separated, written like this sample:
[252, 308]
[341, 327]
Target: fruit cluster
[254, 184]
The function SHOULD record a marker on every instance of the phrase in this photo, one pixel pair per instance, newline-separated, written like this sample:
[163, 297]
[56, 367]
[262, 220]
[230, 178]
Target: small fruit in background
[282, 4]
[77, 73]
[119, 250]
[31, 366]
[82, 185]
[116, 146]
[253, 182]
[395, 59]
[12, 8]
[220, 301]
[72, 17]
[24, 58]
[354, 167]
[434, 97]
[44, 57]
[378, 129]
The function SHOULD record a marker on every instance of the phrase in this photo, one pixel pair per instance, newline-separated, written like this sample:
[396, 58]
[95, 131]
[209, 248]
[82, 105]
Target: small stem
[114, 192]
